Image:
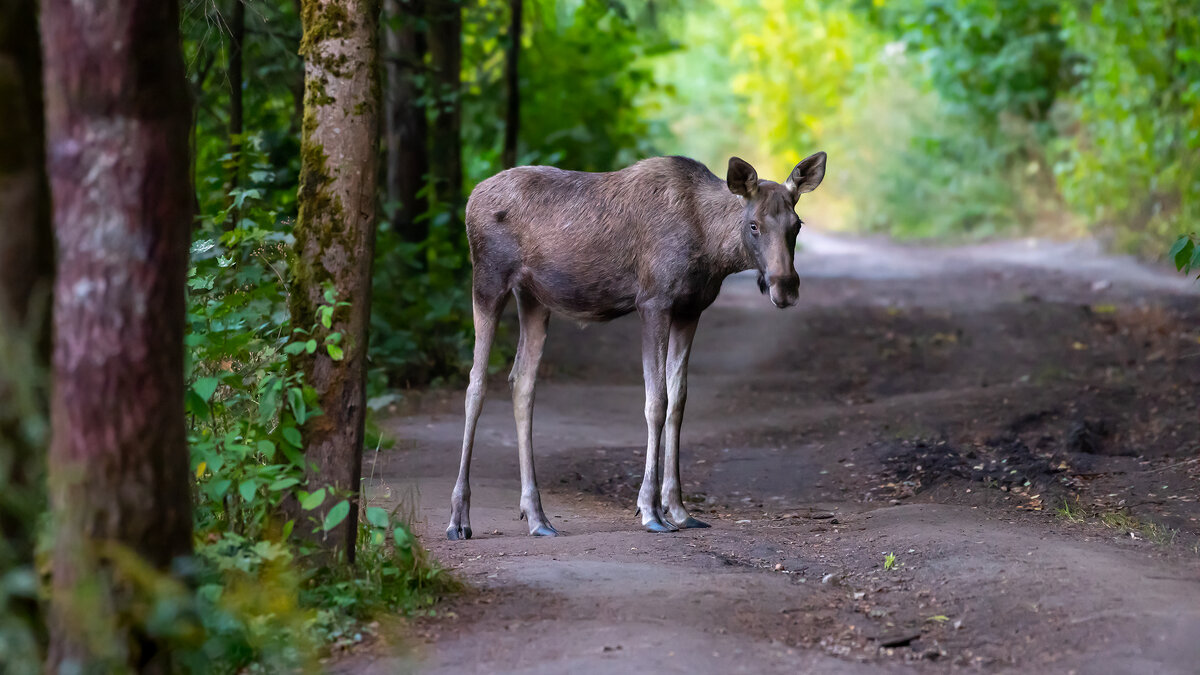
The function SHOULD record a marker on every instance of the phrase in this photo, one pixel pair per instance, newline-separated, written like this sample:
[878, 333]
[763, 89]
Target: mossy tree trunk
[407, 134]
[445, 58]
[117, 118]
[335, 239]
[26, 272]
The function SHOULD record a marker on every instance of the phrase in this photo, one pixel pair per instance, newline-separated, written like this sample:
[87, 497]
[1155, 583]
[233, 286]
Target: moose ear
[742, 178]
[807, 175]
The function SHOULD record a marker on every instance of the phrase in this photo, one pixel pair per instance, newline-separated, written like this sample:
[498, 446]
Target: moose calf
[659, 237]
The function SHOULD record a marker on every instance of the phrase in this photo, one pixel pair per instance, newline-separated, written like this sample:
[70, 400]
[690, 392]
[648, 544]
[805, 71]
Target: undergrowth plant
[262, 595]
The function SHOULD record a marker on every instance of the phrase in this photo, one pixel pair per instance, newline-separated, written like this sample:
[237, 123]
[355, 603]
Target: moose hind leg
[487, 314]
[535, 319]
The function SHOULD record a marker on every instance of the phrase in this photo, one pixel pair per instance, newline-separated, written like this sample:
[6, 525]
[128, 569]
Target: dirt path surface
[1015, 423]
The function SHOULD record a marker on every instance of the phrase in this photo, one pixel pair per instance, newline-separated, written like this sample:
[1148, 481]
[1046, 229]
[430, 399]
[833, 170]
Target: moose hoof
[660, 526]
[454, 533]
[543, 531]
[691, 522]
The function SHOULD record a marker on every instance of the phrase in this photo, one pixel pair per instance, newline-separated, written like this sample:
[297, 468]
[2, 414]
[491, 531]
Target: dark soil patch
[1006, 464]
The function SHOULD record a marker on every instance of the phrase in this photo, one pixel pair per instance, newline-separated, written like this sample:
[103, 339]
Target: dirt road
[1015, 423]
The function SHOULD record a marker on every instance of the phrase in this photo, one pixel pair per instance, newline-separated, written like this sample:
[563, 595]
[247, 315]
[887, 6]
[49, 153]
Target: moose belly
[583, 298]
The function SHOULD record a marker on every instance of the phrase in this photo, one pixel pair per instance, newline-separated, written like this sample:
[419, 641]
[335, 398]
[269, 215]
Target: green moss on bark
[322, 22]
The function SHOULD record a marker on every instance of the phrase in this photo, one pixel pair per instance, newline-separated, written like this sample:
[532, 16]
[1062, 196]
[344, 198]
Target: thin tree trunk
[117, 118]
[512, 121]
[237, 36]
[407, 125]
[445, 50]
[335, 238]
[26, 272]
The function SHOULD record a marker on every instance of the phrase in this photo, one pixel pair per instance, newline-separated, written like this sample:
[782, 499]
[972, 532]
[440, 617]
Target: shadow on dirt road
[1015, 423]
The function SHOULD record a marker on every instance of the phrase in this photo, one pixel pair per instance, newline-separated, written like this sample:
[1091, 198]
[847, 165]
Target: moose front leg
[656, 325]
[682, 332]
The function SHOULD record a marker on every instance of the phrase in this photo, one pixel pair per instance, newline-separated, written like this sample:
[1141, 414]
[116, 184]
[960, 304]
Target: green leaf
[296, 401]
[292, 436]
[1178, 246]
[196, 405]
[283, 484]
[336, 515]
[1183, 255]
[205, 387]
[217, 489]
[294, 348]
[310, 346]
[294, 456]
[335, 352]
[266, 449]
[377, 516]
[246, 489]
[1194, 261]
[402, 537]
[313, 500]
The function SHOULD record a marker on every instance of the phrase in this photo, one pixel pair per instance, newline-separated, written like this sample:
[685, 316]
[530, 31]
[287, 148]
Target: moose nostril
[788, 281]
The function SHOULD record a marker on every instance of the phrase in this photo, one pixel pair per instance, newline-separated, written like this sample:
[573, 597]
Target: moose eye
[754, 227]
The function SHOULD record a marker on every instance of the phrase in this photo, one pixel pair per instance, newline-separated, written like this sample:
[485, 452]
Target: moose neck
[725, 246]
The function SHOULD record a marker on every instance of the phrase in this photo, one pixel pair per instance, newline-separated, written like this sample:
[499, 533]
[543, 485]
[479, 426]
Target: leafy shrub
[23, 434]
[1131, 136]
[262, 598]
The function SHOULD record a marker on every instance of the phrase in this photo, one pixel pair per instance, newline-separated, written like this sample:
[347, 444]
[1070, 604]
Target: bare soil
[1015, 423]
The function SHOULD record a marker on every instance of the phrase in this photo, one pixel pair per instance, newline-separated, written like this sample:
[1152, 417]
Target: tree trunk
[512, 121]
[445, 51]
[117, 116]
[26, 272]
[407, 126]
[237, 35]
[335, 239]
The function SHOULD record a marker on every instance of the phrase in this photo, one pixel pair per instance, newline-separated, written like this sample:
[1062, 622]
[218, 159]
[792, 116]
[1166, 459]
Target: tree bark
[445, 51]
[237, 36]
[117, 116]
[335, 239]
[26, 272]
[512, 121]
[407, 125]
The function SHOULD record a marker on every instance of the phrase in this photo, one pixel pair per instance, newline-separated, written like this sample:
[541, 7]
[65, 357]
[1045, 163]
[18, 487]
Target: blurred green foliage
[946, 118]
[1132, 134]
[23, 437]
